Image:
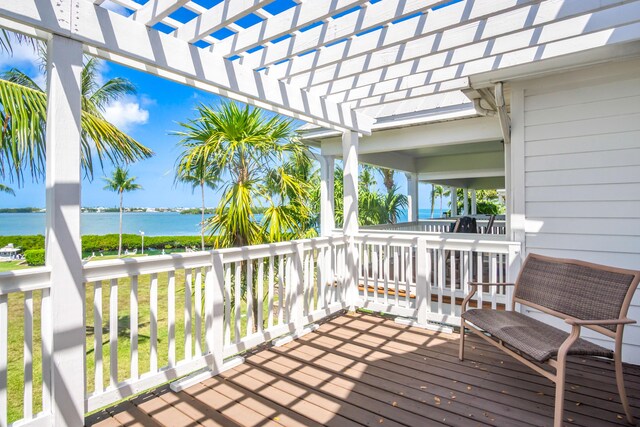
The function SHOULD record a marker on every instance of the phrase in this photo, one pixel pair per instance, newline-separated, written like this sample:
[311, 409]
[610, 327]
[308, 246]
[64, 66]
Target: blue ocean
[152, 223]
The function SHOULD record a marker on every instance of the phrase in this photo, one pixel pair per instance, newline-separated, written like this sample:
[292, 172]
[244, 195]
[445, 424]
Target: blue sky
[150, 117]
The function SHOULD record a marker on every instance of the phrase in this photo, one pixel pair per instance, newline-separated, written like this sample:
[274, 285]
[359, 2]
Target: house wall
[575, 172]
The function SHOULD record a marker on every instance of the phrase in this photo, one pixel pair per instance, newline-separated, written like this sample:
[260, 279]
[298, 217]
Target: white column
[465, 201]
[412, 197]
[350, 227]
[454, 201]
[327, 172]
[474, 202]
[350, 159]
[63, 248]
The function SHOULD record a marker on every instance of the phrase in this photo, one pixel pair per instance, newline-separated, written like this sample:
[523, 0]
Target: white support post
[350, 209]
[412, 197]
[454, 201]
[214, 311]
[327, 172]
[63, 247]
[474, 202]
[465, 201]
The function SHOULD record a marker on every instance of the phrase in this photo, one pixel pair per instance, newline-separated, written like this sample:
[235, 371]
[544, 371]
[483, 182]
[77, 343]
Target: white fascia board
[478, 129]
[372, 16]
[155, 11]
[216, 18]
[281, 24]
[417, 72]
[114, 37]
[391, 35]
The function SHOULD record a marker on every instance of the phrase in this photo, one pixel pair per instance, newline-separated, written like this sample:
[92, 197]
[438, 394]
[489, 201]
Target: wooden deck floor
[361, 369]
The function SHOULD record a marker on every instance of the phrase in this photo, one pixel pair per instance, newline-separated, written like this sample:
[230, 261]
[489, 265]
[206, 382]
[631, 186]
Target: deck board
[367, 370]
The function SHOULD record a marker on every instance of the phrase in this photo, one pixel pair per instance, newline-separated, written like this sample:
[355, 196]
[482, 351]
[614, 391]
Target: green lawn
[16, 335]
[12, 265]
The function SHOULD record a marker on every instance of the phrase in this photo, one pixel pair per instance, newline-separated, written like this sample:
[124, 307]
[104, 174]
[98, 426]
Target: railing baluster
[322, 285]
[237, 303]
[386, 274]
[227, 304]
[260, 311]
[442, 265]
[133, 327]
[452, 281]
[410, 278]
[250, 302]
[198, 309]
[4, 357]
[171, 317]
[188, 276]
[46, 336]
[396, 282]
[376, 273]
[480, 293]
[493, 265]
[281, 280]
[153, 327]
[28, 356]
[270, 293]
[97, 337]
[113, 333]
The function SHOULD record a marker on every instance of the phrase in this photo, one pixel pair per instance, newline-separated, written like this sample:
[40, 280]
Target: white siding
[581, 135]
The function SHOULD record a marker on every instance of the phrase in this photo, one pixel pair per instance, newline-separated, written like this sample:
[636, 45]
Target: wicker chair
[580, 293]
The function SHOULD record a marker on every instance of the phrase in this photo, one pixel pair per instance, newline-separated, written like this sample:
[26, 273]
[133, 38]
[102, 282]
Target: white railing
[25, 297]
[437, 226]
[151, 320]
[426, 277]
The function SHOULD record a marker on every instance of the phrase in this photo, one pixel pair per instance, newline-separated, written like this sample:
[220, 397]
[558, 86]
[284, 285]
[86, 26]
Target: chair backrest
[467, 225]
[576, 288]
[489, 229]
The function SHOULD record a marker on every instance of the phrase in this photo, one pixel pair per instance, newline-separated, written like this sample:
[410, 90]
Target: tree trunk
[120, 233]
[202, 216]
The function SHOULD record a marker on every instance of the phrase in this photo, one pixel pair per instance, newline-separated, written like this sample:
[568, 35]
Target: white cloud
[24, 56]
[126, 113]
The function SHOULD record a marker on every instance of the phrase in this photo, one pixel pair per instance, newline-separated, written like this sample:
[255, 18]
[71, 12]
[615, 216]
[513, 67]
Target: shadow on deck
[362, 369]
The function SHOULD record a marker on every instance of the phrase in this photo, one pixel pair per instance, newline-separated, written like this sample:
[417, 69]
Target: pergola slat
[155, 11]
[284, 23]
[217, 17]
[114, 37]
[459, 46]
[365, 19]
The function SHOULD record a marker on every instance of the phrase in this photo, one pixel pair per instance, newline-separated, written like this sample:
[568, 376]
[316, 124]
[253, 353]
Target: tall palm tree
[7, 190]
[120, 182]
[250, 150]
[388, 179]
[394, 202]
[196, 166]
[23, 106]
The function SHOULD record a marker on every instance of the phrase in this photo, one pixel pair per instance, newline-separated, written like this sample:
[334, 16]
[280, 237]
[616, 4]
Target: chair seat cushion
[533, 338]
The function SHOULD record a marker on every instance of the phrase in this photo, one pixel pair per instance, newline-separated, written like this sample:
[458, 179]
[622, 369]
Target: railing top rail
[25, 280]
[117, 268]
[275, 249]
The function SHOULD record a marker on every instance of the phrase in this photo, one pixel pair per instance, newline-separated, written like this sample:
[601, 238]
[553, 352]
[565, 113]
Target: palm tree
[195, 166]
[250, 151]
[5, 189]
[388, 181]
[23, 115]
[394, 202]
[120, 182]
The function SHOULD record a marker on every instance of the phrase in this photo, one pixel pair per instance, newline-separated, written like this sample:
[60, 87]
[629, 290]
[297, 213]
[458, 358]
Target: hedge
[109, 242]
[34, 257]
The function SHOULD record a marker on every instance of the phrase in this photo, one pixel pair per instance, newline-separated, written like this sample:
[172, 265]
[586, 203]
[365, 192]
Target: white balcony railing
[441, 225]
[151, 320]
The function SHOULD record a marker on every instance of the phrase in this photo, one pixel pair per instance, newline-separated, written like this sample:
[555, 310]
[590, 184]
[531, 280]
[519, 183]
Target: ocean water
[152, 223]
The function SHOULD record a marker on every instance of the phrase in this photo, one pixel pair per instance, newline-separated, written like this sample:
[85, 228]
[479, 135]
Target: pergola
[351, 67]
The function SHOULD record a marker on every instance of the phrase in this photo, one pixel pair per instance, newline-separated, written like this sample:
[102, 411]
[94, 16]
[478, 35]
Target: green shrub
[34, 257]
[23, 242]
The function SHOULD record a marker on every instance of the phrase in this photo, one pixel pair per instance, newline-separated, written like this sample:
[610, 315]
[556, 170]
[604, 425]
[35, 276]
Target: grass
[16, 334]
[12, 265]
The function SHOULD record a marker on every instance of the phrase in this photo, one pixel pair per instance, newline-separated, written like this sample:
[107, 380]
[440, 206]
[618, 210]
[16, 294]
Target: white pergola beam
[216, 18]
[115, 37]
[155, 11]
[433, 54]
[391, 35]
[440, 75]
[281, 24]
[372, 16]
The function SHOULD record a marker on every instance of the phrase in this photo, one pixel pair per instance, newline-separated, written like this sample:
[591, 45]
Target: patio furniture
[580, 293]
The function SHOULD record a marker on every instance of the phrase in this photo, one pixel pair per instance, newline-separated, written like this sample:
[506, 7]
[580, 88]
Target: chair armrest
[490, 284]
[606, 322]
